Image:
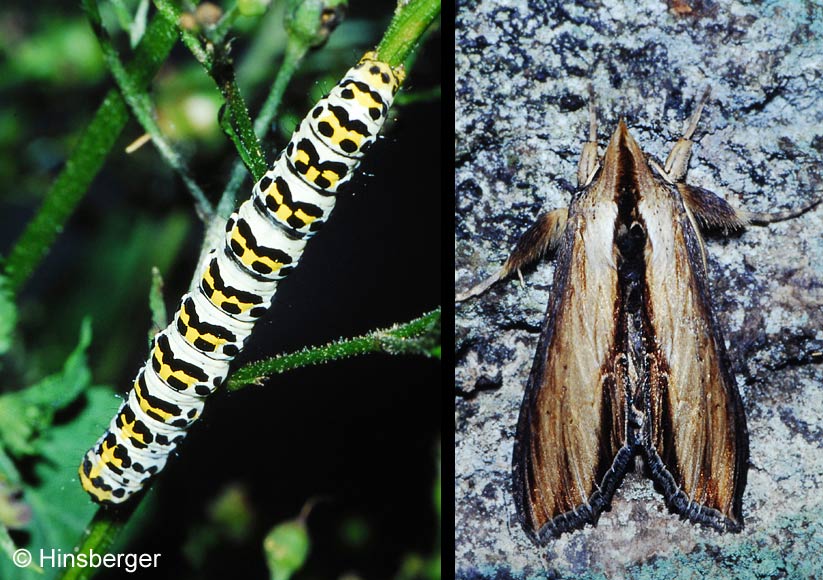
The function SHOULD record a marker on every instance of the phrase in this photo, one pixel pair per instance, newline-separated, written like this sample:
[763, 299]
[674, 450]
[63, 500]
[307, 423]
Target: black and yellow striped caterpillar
[264, 240]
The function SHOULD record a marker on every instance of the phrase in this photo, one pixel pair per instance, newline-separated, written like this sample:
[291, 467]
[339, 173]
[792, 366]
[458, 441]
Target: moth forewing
[695, 437]
[573, 419]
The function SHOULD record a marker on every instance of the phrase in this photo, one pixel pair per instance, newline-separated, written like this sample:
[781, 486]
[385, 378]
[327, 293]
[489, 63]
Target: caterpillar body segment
[289, 202]
[316, 163]
[264, 242]
[161, 404]
[347, 135]
[233, 289]
[210, 330]
[183, 367]
[266, 246]
[143, 433]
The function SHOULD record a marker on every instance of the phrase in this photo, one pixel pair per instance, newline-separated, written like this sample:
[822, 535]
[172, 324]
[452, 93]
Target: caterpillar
[264, 241]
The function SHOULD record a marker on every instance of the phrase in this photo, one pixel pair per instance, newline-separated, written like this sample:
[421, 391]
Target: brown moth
[629, 361]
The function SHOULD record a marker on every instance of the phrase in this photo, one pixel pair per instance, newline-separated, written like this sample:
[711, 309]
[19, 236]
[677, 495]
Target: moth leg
[714, 213]
[677, 163]
[763, 218]
[588, 158]
[539, 239]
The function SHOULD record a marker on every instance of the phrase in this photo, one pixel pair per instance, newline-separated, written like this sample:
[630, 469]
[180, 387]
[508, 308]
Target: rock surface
[522, 68]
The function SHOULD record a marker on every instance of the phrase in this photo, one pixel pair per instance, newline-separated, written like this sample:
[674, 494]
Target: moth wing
[696, 440]
[571, 446]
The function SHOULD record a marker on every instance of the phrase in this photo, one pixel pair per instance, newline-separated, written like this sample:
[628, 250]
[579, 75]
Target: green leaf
[286, 547]
[8, 316]
[60, 507]
[7, 545]
[25, 414]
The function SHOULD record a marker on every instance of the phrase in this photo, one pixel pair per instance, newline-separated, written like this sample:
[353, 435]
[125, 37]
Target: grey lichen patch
[522, 67]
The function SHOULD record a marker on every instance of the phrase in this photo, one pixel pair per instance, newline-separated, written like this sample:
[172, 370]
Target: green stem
[140, 105]
[87, 158]
[172, 13]
[308, 25]
[305, 28]
[99, 536]
[241, 122]
[216, 61]
[421, 336]
[295, 51]
[406, 29]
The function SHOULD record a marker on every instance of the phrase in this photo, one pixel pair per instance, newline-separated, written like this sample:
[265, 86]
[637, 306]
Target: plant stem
[99, 536]
[87, 158]
[406, 29]
[295, 51]
[140, 105]
[215, 59]
[418, 336]
[172, 14]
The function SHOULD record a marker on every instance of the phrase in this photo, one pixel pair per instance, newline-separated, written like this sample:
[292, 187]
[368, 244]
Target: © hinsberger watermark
[56, 558]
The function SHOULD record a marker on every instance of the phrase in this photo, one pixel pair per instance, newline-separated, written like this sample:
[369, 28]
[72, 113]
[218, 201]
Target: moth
[630, 360]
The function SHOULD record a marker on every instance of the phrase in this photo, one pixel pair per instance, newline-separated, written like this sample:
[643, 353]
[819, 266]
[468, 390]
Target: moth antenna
[697, 112]
[677, 163]
[587, 166]
[592, 116]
